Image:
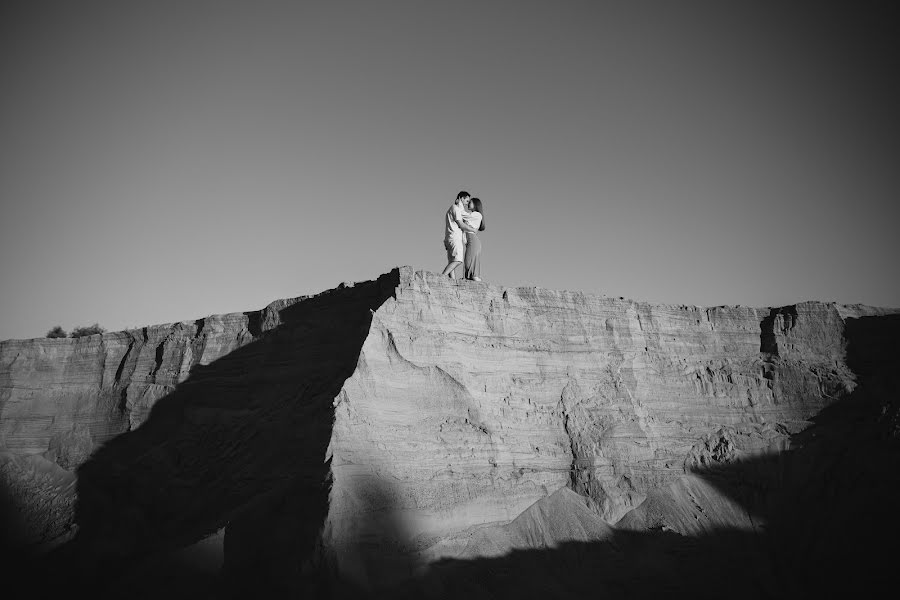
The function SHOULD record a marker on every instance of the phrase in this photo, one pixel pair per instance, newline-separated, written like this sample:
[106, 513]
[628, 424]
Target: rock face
[61, 399]
[372, 430]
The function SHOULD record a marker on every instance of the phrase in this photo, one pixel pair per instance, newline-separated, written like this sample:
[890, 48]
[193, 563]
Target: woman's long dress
[473, 247]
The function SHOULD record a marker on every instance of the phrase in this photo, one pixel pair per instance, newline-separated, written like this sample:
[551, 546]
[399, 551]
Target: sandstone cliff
[372, 430]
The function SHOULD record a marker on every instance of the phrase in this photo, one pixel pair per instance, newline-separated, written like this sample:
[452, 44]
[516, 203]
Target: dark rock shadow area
[241, 442]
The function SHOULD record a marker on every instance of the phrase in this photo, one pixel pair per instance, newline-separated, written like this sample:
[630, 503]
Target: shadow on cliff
[829, 503]
[15, 552]
[825, 516]
[241, 442]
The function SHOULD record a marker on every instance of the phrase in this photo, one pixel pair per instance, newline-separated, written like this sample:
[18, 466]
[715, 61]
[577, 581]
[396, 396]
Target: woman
[474, 222]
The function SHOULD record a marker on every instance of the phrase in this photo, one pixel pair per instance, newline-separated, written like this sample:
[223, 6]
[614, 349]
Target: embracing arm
[466, 227]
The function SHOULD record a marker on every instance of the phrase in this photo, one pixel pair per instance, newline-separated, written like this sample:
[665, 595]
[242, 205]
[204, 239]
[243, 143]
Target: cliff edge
[408, 429]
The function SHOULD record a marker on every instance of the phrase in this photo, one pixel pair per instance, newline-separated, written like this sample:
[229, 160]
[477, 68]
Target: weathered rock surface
[377, 428]
[61, 399]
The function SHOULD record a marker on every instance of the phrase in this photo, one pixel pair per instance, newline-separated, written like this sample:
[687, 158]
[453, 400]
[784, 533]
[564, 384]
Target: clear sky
[163, 161]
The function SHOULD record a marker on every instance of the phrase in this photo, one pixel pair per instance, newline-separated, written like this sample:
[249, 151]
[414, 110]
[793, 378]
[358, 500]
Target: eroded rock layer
[471, 402]
[61, 399]
[388, 424]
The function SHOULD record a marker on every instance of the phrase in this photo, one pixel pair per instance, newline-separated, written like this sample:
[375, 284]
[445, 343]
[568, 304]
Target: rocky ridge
[381, 427]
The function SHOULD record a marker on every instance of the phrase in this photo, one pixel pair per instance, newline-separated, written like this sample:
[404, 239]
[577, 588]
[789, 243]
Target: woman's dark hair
[479, 208]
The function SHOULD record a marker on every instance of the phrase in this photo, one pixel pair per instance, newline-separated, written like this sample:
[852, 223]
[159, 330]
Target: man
[454, 240]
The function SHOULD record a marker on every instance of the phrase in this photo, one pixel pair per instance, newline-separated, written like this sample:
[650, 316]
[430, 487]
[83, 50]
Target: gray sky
[162, 161]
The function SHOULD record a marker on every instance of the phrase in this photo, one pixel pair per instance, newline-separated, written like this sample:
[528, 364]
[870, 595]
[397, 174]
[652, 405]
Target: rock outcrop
[368, 432]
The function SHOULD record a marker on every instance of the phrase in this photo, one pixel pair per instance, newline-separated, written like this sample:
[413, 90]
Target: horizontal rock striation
[471, 402]
[172, 428]
[381, 426]
[61, 399]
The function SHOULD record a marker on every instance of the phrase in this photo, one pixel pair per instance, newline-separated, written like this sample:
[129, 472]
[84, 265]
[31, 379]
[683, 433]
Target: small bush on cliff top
[57, 332]
[88, 330]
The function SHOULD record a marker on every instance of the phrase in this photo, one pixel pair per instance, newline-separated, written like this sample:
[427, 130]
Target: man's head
[463, 198]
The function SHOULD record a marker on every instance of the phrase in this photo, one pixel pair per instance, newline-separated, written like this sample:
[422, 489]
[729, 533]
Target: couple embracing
[463, 222]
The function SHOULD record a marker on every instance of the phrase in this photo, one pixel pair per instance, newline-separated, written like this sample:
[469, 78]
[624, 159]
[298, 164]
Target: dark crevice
[198, 344]
[103, 357]
[122, 404]
[767, 342]
[254, 323]
[574, 470]
[768, 337]
[160, 354]
[121, 368]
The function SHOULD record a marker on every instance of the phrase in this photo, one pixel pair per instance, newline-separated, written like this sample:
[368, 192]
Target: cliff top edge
[408, 276]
